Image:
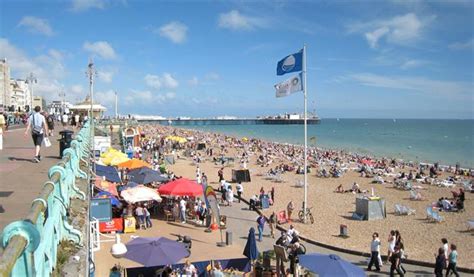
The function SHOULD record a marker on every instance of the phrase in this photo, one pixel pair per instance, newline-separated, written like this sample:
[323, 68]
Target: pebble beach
[421, 237]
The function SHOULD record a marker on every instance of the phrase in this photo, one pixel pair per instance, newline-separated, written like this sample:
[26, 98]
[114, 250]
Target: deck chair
[429, 213]
[299, 183]
[398, 209]
[470, 224]
[447, 184]
[407, 210]
[415, 195]
[437, 217]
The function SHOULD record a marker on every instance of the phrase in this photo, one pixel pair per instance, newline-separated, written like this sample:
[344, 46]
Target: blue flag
[291, 63]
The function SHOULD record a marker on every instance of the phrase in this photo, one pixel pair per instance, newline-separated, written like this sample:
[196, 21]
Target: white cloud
[36, 25]
[373, 37]
[105, 76]
[106, 98]
[401, 30]
[157, 82]
[212, 76]
[413, 63]
[419, 84]
[463, 45]
[100, 48]
[174, 31]
[77, 90]
[48, 68]
[83, 5]
[194, 81]
[234, 20]
[146, 97]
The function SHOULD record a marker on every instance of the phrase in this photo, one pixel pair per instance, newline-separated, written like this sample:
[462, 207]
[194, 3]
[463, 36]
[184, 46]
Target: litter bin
[64, 141]
[228, 238]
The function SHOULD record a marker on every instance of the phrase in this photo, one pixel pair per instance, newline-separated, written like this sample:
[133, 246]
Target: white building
[59, 107]
[4, 85]
[20, 97]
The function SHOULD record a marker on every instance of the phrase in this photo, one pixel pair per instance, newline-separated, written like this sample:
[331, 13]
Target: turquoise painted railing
[31, 245]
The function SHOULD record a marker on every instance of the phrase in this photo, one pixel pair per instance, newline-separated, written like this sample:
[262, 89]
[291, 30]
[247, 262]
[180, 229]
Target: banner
[287, 87]
[211, 198]
[291, 63]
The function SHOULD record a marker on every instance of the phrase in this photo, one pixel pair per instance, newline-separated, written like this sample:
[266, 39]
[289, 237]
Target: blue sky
[372, 59]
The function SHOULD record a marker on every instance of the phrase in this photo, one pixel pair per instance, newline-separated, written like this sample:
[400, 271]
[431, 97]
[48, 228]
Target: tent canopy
[181, 187]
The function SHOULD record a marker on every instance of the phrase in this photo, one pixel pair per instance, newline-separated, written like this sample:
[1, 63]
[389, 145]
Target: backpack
[36, 130]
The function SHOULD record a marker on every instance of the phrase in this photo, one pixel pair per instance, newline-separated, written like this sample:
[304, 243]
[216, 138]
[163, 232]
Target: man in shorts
[39, 129]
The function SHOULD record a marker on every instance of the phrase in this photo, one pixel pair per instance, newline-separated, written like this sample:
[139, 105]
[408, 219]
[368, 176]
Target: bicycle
[309, 215]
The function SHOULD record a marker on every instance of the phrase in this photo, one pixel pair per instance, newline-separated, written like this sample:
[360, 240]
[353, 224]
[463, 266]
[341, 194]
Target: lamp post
[91, 74]
[30, 80]
[62, 94]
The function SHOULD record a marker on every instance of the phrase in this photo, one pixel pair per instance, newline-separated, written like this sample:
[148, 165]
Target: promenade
[20, 178]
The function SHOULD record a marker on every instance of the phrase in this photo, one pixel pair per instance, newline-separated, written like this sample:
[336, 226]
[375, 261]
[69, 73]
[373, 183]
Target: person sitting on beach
[339, 189]
[355, 188]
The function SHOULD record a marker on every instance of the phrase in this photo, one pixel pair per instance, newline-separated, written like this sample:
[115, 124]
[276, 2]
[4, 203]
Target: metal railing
[31, 245]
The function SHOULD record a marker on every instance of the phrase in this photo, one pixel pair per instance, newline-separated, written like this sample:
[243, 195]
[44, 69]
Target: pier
[230, 121]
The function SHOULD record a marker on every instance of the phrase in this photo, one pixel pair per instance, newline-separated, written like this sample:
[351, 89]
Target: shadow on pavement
[20, 159]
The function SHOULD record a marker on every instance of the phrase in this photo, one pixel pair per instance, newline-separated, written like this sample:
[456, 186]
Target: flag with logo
[291, 63]
[287, 87]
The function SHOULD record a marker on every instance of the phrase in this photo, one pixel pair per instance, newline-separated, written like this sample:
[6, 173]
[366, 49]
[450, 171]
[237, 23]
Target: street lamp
[31, 79]
[62, 94]
[91, 73]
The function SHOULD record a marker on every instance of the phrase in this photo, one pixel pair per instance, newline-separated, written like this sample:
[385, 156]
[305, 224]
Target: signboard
[101, 209]
[115, 225]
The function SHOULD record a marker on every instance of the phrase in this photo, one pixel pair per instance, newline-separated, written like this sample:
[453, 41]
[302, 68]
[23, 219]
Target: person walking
[260, 226]
[395, 259]
[147, 214]
[452, 259]
[220, 174]
[289, 209]
[440, 263]
[182, 210]
[39, 129]
[272, 194]
[240, 190]
[2, 127]
[50, 123]
[375, 250]
[272, 222]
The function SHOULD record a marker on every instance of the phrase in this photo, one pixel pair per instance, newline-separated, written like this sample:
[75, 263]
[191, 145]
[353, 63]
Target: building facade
[20, 96]
[59, 107]
[4, 85]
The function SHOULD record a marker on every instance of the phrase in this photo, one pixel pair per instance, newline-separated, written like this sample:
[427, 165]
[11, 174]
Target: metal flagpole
[305, 203]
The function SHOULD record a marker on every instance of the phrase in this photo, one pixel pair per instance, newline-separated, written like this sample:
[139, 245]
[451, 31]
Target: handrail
[30, 245]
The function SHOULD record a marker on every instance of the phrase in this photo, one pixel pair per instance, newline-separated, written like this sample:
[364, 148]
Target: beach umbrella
[129, 185]
[139, 194]
[109, 172]
[133, 164]
[155, 251]
[106, 194]
[146, 175]
[181, 187]
[103, 185]
[329, 265]
[250, 250]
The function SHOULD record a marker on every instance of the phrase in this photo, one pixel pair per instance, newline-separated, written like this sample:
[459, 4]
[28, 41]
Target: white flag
[287, 87]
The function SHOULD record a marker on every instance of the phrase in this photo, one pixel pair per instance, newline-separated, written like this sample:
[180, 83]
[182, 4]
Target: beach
[421, 237]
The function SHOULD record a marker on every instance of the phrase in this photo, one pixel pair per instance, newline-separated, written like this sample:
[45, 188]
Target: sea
[420, 140]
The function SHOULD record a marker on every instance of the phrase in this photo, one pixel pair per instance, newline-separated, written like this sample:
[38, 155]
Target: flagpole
[305, 203]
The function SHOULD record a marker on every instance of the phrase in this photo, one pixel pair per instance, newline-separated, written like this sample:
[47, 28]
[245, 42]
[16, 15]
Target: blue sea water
[423, 140]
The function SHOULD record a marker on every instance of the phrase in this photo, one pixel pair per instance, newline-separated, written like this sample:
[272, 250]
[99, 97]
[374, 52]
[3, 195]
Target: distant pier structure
[226, 121]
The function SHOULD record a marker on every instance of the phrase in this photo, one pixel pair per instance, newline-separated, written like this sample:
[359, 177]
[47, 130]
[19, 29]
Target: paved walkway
[21, 179]
[240, 219]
